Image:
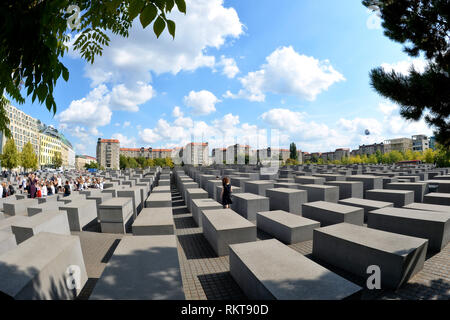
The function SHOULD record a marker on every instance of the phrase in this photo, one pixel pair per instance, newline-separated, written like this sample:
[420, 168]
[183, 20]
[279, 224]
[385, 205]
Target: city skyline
[233, 75]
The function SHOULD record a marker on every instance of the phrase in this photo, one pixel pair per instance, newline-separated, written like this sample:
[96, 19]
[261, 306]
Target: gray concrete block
[428, 207]
[419, 188]
[115, 215]
[12, 207]
[157, 200]
[367, 205]
[321, 193]
[328, 213]
[369, 182]
[154, 221]
[80, 213]
[268, 270]
[54, 222]
[399, 198]
[7, 242]
[309, 180]
[211, 187]
[199, 205]
[434, 226]
[286, 199]
[223, 227]
[43, 207]
[354, 248]
[38, 269]
[437, 198]
[248, 204]
[286, 227]
[348, 189]
[142, 268]
[194, 193]
[258, 187]
[135, 194]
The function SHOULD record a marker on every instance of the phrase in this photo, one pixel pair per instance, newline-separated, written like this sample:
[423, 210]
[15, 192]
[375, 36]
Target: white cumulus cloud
[288, 72]
[202, 102]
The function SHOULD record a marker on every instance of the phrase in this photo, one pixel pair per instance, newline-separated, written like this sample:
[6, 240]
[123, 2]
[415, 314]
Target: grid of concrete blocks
[307, 232]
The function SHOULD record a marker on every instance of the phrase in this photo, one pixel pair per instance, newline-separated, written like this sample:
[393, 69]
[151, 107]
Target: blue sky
[235, 71]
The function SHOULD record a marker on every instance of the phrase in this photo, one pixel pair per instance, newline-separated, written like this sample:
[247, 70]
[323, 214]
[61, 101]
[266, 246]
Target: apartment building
[82, 160]
[108, 152]
[24, 128]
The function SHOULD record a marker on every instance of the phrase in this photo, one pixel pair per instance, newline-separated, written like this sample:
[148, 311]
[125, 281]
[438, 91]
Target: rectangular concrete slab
[142, 268]
[287, 199]
[199, 205]
[268, 270]
[428, 207]
[80, 213]
[431, 225]
[348, 189]
[320, 192]
[286, 227]
[328, 213]
[55, 222]
[367, 205]
[442, 199]
[154, 221]
[157, 200]
[354, 248]
[248, 204]
[419, 188]
[399, 198]
[7, 242]
[38, 269]
[223, 227]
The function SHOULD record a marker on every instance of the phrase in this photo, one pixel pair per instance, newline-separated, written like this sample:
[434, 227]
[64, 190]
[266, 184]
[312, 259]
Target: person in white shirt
[44, 190]
[53, 188]
[1, 191]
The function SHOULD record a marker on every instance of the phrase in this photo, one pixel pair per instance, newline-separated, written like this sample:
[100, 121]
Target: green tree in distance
[34, 36]
[57, 160]
[293, 151]
[423, 27]
[10, 156]
[28, 158]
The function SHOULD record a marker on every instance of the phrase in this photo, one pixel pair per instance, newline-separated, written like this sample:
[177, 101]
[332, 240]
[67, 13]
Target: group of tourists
[42, 187]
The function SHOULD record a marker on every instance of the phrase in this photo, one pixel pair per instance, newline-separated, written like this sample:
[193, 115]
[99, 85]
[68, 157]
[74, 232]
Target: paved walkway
[206, 276]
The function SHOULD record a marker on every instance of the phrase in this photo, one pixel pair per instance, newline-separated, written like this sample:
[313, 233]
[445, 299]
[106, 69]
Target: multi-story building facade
[67, 153]
[108, 152]
[341, 153]
[148, 153]
[82, 160]
[50, 146]
[370, 149]
[399, 144]
[420, 142]
[23, 127]
[433, 143]
[219, 155]
[196, 153]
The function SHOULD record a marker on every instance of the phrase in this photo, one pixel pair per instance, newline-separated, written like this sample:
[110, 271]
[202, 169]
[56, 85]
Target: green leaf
[171, 27]
[169, 5]
[181, 4]
[135, 8]
[65, 73]
[159, 26]
[148, 15]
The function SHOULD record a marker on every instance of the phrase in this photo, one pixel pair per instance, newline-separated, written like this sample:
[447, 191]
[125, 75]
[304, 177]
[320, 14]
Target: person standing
[67, 189]
[226, 193]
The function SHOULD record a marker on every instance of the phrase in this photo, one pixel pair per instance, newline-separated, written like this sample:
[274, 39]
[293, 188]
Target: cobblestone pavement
[206, 276]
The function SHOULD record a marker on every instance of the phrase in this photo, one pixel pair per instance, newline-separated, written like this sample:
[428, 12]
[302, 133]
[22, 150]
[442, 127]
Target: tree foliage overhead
[34, 36]
[422, 26]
